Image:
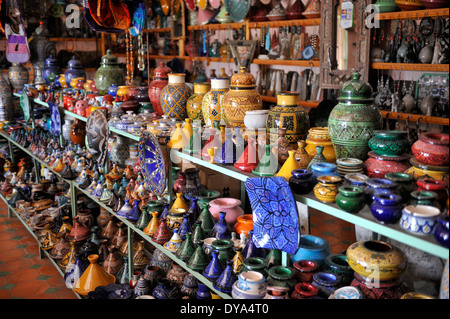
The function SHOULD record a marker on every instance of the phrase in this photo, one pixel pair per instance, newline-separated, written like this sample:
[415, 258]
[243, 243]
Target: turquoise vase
[312, 248]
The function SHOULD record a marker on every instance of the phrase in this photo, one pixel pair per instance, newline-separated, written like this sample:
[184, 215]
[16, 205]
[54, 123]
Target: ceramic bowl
[207, 245]
[349, 162]
[237, 293]
[419, 219]
[347, 292]
[252, 282]
[256, 119]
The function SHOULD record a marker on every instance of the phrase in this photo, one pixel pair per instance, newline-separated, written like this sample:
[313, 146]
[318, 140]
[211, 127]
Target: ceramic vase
[432, 149]
[18, 76]
[305, 269]
[108, 73]
[390, 143]
[212, 102]
[160, 80]
[194, 103]
[386, 208]
[377, 166]
[230, 206]
[350, 199]
[353, 121]
[301, 182]
[312, 248]
[327, 187]
[174, 97]
[320, 136]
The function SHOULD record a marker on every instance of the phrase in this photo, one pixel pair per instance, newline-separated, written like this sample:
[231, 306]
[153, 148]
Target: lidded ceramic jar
[194, 103]
[353, 121]
[108, 73]
[74, 70]
[241, 97]
[160, 80]
[174, 96]
[51, 69]
[212, 101]
[289, 115]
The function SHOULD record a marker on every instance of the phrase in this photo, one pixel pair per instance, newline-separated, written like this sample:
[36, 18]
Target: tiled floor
[23, 274]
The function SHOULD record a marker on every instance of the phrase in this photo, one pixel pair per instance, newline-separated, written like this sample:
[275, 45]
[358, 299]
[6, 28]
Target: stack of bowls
[349, 166]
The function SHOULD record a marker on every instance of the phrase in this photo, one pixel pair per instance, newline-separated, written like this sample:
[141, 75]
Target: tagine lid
[243, 79]
[356, 90]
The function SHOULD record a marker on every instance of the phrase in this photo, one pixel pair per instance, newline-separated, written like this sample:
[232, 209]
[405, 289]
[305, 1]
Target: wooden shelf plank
[410, 67]
[158, 30]
[217, 26]
[275, 24]
[414, 14]
[74, 39]
[305, 63]
[414, 117]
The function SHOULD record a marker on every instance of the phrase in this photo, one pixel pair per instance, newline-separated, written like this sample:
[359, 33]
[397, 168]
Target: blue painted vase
[376, 186]
[301, 181]
[386, 208]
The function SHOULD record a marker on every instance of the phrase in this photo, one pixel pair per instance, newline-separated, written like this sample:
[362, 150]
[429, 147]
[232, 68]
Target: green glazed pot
[390, 143]
[427, 198]
[350, 199]
[108, 73]
[255, 264]
[280, 276]
[354, 119]
[225, 248]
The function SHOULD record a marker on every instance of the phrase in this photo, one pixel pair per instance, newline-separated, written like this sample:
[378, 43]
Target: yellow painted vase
[289, 115]
[320, 136]
[327, 188]
[376, 260]
[123, 90]
[194, 103]
[93, 277]
[289, 165]
[212, 102]
[241, 97]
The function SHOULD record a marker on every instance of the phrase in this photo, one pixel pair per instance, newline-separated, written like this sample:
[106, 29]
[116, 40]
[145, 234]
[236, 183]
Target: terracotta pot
[78, 133]
[432, 149]
[229, 205]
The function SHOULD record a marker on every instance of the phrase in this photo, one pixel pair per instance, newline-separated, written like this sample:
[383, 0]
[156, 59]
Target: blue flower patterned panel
[275, 217]
[153, 163]
[55, 128]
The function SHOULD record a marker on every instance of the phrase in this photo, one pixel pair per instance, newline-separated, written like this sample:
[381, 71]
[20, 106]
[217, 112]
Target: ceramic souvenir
[194, 103]
[174, 97]
[108, 73]
[212, 105]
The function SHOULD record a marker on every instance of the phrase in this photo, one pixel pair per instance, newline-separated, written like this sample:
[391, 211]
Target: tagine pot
[241, 97]
[353, 121]
[108, 73]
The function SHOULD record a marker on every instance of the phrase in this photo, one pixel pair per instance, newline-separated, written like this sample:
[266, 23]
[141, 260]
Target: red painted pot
[382, 290]
[439, 187]
[305, 270]
[376, 166]
[432, 149]
[160, 80]
[304, 291]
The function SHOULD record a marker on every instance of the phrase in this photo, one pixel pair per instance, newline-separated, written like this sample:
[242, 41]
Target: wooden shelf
[74, 39]
[158, 30]
[273, 99]
[217, 26]
[306, 63]
[284, 23]
[410, 67]
[414, 117]
[414, 14]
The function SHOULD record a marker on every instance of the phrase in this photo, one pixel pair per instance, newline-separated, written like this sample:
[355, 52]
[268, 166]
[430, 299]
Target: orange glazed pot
[244, 224]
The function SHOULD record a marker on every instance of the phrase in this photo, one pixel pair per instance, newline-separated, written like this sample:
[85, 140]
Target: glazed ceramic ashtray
[347, 292]
[419, 219]
[349, 162]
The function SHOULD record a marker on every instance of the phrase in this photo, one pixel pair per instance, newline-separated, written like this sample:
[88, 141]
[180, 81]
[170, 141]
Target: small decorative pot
[391, 289]
[252, 282]
[441, 231]
[327, 187]
[338, 264]
[301, 181]
[347, 292]
[174, 97]
[390, 143]
[379, 186]
[255, 119]
[420, 219]
[324, 169]
[432, 149]
[326, 283]
[312, 248]
[213, 101]
[229, 205]
[377, 166]
[194, 103]
[405, 184]
[280, 276]
[386, 208]
[377, 260]
[427, 198]
[305, 269]
[320, 136]
[356, 180]
[439, 187]
[225, 247]
[421, 171]
[350, 199]
[277, 293]
[304, 290]
[244, 224]
[254, 264]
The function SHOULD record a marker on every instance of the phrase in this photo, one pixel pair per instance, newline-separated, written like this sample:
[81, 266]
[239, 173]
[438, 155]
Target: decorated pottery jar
[304, 290]
[375, 186]
[174, 97]
[229, 205]
[320, 136]
[302, 181]
[212, 102]
[386, 208]
[405, 184]
[160, 80]
[255, 119]
[326, 283]
[419, 219]
[280, 276]
[305, 269]
[432, 149]
[327, 187]
[350, 199]
[74, 70]
[427, 198]
[252, 283]
[241, 97]
[421, 171]
[312, 248]
[438, 187]
[108, 73]
[353, 121]
[18, 76]
[441, 230]
[374, 289]
[376, 260]
[390, 143]
[338, 264]
[194, 103]
[289, 115]
[321, 169]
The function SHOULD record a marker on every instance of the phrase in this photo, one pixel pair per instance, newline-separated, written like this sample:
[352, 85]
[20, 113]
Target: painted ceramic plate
[55, 128]
[275, 218]
[190, 4]
[237, 9]
[308, 52]
[154, 163]
[97, 135]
